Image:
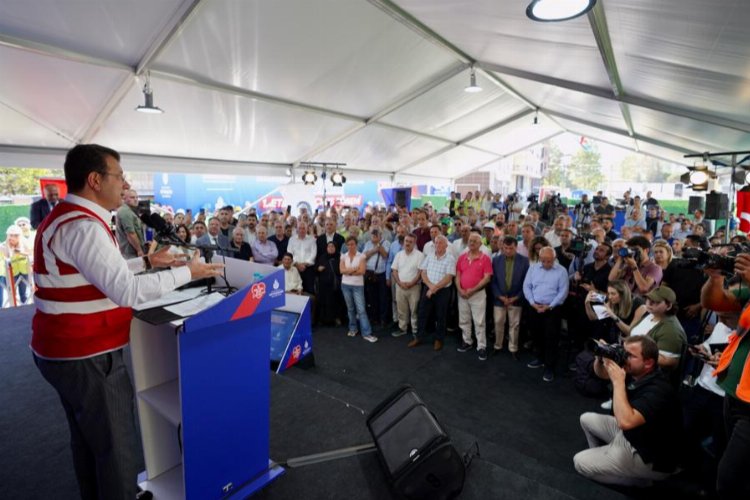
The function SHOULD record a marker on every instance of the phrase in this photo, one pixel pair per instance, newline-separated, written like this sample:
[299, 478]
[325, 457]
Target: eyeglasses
[121, 177]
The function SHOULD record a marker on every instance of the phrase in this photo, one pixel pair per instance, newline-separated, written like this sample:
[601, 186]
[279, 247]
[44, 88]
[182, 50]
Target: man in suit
[330, 235]
[41, 208]
[508, 272]
[215, 237]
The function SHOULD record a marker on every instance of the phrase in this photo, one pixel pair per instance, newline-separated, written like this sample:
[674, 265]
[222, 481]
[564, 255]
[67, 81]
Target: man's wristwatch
[147, 262]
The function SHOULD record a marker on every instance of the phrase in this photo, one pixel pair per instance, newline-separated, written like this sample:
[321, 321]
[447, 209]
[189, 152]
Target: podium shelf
[165, 399]
[166, 486]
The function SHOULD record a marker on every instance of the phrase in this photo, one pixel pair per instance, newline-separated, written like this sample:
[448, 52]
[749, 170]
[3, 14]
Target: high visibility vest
[73, 319]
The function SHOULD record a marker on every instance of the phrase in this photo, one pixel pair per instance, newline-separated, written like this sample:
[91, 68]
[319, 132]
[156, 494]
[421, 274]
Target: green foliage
[24, 180]
[557, 174]
[586, 169]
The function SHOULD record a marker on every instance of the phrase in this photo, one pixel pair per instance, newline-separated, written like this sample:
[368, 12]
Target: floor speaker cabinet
[717, 206]
[417, 455]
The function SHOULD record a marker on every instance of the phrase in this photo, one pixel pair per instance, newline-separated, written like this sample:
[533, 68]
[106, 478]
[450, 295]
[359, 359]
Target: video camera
[695, 258]
[581, 245]
[634, 253]
[615, 352]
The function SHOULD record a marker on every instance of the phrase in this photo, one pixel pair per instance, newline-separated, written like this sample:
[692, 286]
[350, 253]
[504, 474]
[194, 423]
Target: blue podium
[202, 388]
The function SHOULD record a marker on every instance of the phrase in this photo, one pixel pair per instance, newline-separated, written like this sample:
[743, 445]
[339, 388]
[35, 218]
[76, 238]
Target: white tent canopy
[258, 86]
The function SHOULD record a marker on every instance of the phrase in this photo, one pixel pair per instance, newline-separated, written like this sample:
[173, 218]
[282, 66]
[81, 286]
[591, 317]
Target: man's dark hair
[609, 248]
[510, 240]
[437, 226]
[83, 159]
[199, 223]
[649, 349]
[476, 230]
[694, 238]
[288, 254]
[639, 241]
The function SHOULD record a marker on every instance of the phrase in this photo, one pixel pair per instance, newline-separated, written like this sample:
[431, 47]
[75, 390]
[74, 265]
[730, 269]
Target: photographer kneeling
[640, 443]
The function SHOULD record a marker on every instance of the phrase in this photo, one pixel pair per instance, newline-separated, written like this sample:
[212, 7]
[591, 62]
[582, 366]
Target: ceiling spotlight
[547, 11]
[473, 88]
[338, 179]
[698, 177]
[149, 95]
[309, 178]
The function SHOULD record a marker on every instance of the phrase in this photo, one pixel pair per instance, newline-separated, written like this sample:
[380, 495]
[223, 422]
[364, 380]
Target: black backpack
[585, 380]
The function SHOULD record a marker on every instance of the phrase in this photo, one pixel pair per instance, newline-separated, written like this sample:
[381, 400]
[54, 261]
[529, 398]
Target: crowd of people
[638, 312]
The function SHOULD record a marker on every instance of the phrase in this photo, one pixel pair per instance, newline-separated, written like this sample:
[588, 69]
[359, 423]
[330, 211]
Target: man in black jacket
[330, 235]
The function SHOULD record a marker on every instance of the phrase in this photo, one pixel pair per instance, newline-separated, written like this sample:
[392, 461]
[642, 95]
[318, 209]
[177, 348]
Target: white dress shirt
[304, 251]
[87, 246]
[407, 265]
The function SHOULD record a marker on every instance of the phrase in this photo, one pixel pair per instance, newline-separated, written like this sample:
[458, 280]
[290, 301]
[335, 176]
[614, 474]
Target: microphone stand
[208, 250]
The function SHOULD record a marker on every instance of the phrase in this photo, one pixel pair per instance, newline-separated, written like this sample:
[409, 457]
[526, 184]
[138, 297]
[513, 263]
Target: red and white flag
[743, 209]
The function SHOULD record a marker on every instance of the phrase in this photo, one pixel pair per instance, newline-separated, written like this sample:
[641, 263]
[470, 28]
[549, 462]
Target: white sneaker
[370, 338]
[351, 333]
[607, 405]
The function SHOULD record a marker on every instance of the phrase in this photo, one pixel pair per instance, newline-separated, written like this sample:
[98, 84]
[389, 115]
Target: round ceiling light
[558, 10]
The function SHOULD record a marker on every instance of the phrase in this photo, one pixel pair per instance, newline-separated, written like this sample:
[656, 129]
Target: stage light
[338, 179]
[309, 178]
[558, 10]
[148, 94]
[698, 177]
[473, 87]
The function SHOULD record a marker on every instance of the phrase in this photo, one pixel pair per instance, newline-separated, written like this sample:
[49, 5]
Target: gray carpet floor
[527, 430]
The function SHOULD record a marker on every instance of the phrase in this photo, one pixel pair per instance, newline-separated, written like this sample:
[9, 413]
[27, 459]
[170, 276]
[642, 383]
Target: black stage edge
[527, 429]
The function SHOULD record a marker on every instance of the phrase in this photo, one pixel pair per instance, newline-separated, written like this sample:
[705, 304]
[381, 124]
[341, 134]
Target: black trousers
[437, 304]
[545, 331]
[308, 280]
[97, 397]
[703, 417]
[377, 300]
[733, 481]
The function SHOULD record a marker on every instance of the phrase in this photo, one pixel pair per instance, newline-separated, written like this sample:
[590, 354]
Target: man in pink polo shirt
[473, 272]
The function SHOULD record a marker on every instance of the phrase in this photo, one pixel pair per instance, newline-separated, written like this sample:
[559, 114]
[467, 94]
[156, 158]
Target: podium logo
[275, 284]
[277, 290]
[258, 290]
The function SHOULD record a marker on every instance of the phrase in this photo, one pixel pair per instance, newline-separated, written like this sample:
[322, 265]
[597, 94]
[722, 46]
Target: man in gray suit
[508, 272]
[215, 237]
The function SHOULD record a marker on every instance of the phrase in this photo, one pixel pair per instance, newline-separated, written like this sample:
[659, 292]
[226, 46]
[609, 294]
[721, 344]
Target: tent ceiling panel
[687, 133]
[379, 148]
[339, 54]
[580, 129]
[499, 32]
[19, 129]
[516, 135]
[110, 29]
[569, 102]
[452, 163]
[690, 52]
[207, 124]
[664, 153]
[447, 111]
[62, 95]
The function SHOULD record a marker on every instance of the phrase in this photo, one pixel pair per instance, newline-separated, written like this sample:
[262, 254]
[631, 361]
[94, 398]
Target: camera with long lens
[695, 258]
[615, 352]
[634, 253]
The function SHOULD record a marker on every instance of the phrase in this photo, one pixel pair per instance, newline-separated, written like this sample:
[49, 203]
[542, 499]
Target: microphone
[162, 228]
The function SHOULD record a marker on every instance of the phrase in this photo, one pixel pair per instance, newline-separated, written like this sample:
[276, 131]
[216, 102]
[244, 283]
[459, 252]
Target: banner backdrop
[211, 192]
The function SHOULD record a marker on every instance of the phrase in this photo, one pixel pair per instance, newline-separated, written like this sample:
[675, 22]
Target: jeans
[354, 296]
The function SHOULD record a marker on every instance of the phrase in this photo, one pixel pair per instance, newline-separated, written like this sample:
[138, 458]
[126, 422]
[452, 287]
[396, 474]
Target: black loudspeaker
[695, 203]
[400, 197]
[717, 206]
[417, 456]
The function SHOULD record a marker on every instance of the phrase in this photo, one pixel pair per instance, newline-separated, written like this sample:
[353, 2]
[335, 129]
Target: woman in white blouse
[352, 267]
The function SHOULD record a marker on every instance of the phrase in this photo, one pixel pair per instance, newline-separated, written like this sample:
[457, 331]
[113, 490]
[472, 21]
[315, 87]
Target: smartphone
[695, 351]
[288, 209]
[189, 211]
[202, 211]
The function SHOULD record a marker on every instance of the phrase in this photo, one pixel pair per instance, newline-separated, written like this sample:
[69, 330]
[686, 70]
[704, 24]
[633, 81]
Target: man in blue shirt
[545, 288]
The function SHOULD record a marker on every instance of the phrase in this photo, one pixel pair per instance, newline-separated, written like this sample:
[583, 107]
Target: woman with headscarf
[329, 297]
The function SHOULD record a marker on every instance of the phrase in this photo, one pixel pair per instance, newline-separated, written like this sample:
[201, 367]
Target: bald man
[545, 288]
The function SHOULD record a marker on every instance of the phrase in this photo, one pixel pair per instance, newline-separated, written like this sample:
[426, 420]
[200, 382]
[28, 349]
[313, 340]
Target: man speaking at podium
[82, 321]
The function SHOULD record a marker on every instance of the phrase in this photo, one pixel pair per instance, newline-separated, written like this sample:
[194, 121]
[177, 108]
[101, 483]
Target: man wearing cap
[662, 325]
[129, 228]
[17, 253]
[640, 443]
[488, 229]
[41, 208]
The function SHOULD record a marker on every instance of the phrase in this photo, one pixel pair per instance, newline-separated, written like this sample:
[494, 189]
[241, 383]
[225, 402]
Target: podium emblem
[275, 284]
[258, 290]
